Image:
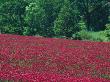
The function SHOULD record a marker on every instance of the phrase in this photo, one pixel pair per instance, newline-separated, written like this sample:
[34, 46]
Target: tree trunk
[88, 21]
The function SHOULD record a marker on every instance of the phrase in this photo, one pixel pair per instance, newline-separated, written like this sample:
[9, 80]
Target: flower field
[38, 59]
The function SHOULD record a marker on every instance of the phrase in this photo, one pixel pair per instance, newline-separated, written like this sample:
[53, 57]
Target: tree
[12, 14]
[66, 23]
[34, 16]
[41, 15]
[93, 10]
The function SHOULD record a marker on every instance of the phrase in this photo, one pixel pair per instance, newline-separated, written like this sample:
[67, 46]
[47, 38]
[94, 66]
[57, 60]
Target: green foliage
[95, 13]
[92, 36]
[26, 31]
[106, 76]
[108, 34]
[9, 29]
[40, 17]
[34, 16]
[107, 26]
[67, 20]
[81, 25]
[56, 18]
[12, 13]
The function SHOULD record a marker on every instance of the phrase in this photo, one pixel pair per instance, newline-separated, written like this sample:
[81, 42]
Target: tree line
[54, 18]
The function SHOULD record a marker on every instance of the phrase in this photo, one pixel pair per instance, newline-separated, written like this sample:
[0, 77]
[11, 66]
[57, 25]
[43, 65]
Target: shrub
[107, 26]
[93, 36]
[26, 31]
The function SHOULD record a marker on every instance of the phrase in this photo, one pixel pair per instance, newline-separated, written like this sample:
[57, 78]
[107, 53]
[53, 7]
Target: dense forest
[73, 19]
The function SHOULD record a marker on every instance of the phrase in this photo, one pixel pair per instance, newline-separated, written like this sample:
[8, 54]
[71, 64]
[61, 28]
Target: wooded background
[75, 19]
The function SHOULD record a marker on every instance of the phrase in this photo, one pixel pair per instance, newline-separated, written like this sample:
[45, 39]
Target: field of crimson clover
[38, 59]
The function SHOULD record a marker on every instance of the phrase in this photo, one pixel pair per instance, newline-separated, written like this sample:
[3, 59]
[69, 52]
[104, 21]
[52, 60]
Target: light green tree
[66, 23]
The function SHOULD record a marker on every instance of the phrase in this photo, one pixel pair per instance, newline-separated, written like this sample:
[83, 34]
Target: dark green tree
[12, 16]
[95, 13]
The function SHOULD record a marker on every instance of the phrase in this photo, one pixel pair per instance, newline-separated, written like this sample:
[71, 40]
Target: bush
[108, 34]
[107, 26]
[93, 36]
[9, 29]
[26, 31]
